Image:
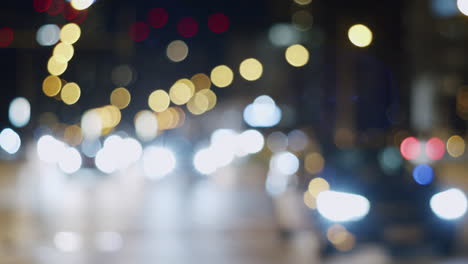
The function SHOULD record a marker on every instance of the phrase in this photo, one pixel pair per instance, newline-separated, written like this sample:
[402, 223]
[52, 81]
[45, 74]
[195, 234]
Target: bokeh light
[285, 163]
[218, 23]
[146, 125]
[90, 147]
[410, 148]
[360, 35]
[81, 4]
[91, 124]
[19, 112]
[463, 6]
[56, 67]
[277, 141]
[449, 205]
[342, 207]
[390, 160]
[49, 149]
[314, 163]
[6, 36]
[63, 52]
[70, 161]
[303, 2]
[198, 104]
[297, 55]
[251, 69]
[302, 20]
[48, 35]
[56, 7]
[41, 5]
[317, 185]
[73, 15]
[120, 98]
[187, 27]
[456, 146]
[181, 91]
[250, 142]
[263, 112]
[435, 148]
[157, 17]
[177, 51]
[158, 162]
[159, 101]
[122, 75]
[70, 33]
[73, 135]
[297, 140]
[139, 31]
[283, 35]
[201, 81]
[68, 241]
[423, 174]
[10, 141]
[211, 96]
[310, 201]
[70, 93]
[222, 76]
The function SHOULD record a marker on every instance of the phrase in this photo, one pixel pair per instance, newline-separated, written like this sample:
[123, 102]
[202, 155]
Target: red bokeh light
[218, 23]
[187, 27]
[139, 31]
[6, 36]
[157, 17]
[410, 148]
[73, 15]
[56, 7]
[435, 148]
[41, 5]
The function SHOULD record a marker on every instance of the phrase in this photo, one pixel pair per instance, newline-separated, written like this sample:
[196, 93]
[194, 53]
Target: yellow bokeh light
[181, 92]
[201, 81]
[303, 2]
[51, 85]
[120, 98]
[70, 33]
[360, 35]
[166, 119]
[456, 146]
[198, 104]
[317, 186]
[251, 69]
[110, 116]
[314, 163]
[347, 244]
[222, 76]
[159, 101]
[73, 135]
[211, 96]
[310, 200]
[71, 93]
[63, 52]
[177, 51]
[55, 67]
[81, 4]
[179, 114]
[297, 55]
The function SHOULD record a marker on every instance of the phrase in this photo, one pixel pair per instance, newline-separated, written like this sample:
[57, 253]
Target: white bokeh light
[158, 162]
[203, 161]
[49, 149]
[91, 125]
[19, 112]
[284, 163]
[10, 141]
[283, 35]
[263, 112]
[250, 142]
[342, 207]
[70, 161]
[463, 6]
[450, 205]
[48, 35]
[68, 241]
[146, 125]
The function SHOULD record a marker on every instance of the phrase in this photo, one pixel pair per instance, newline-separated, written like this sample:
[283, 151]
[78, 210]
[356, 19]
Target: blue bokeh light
[423, 174]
